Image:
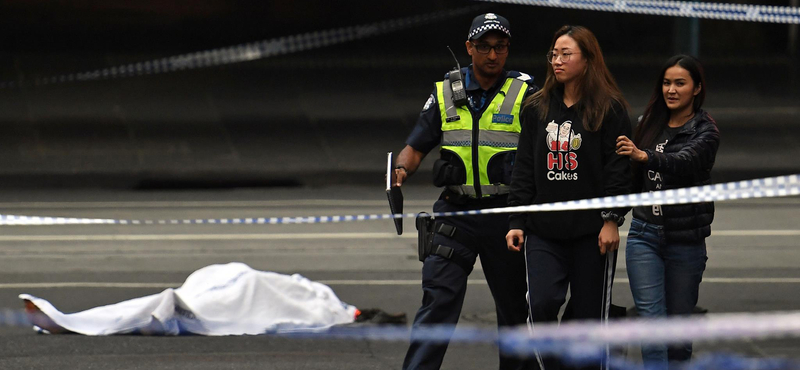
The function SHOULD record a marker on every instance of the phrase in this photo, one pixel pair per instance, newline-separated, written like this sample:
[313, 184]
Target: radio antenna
[454, 57]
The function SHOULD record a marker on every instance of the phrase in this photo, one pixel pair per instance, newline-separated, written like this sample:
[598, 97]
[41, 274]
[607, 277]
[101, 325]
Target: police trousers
[444, 282]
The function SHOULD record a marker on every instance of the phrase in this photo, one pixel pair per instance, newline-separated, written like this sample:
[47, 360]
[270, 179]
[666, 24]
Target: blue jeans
[665, 280]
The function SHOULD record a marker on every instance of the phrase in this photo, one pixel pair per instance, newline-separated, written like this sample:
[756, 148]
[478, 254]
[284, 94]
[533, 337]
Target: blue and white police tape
[692, 9]
[698, 328]
[770, 187]
[585, 342]
[250, 51]
[577, 343]
[14, 318]
[579, 337]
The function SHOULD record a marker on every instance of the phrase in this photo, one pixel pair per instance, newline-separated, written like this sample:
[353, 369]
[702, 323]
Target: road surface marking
[413, 282]
[298, 236]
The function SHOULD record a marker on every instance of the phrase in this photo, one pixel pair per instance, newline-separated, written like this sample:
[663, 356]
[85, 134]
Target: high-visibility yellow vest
[497, 132]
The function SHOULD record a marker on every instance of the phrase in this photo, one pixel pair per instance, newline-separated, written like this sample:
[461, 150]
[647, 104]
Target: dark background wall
[157, 26]
[330, 111]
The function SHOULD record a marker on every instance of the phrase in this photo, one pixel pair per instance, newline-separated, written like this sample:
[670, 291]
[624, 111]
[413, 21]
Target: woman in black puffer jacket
[674, 146]
[686, 161]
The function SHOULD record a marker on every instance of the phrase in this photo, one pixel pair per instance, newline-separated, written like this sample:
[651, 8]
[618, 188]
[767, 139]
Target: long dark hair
[597, 88]
[656, 115]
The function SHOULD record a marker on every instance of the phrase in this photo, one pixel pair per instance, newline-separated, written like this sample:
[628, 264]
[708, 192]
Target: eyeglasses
[486, 48]
[551, 57]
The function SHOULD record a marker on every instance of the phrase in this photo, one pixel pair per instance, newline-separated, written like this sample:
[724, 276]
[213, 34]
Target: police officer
[478, 135]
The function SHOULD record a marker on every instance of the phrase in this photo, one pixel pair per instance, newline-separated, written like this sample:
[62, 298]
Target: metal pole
[791, 47]
[694, 37]
[686, 36]
[791, 50]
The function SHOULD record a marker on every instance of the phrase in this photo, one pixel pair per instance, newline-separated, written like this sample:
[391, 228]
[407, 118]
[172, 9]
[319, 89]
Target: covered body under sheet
[229, 299]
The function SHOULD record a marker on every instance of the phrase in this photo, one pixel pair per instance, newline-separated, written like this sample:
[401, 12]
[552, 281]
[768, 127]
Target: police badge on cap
[488, 22]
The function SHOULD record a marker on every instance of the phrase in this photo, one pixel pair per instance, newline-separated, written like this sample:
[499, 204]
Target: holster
[425, 223]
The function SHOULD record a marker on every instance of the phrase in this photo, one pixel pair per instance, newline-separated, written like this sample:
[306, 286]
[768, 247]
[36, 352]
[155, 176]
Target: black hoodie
[558, 160]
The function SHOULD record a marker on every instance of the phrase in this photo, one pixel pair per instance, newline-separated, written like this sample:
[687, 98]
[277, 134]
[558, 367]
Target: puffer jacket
[686, 161]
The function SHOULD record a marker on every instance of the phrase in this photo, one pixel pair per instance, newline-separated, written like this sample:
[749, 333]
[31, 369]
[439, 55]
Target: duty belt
[485, 189]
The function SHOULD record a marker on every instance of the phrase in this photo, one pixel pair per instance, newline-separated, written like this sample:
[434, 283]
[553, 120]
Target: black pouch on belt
[444, 173]
[425, 225]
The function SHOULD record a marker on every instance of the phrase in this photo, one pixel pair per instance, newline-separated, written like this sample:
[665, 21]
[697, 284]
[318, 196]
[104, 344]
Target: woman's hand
[608, 240]
[626, 147]
[514, 239]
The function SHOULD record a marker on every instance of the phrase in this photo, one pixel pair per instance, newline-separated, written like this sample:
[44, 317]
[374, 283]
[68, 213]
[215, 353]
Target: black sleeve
[637, 169]
[616, 168]
[636, 177]
[698, 154]
[532, 88]
[523, 186]
[427, 133]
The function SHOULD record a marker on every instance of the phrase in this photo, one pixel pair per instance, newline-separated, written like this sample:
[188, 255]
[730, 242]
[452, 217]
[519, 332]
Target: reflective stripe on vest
[497, 139]
[497, 132]
[485, 189]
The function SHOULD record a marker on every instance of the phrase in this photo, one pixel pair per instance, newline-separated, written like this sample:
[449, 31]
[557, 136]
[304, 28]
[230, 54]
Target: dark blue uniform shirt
[427, 133]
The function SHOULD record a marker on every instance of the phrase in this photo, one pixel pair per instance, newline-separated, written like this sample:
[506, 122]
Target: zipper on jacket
[476, 125]
[476, 174]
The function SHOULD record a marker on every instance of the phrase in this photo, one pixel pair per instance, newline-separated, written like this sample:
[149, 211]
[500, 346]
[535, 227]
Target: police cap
[488, 22]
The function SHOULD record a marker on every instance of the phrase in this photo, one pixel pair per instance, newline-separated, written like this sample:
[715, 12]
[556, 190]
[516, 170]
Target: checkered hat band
[486, 27]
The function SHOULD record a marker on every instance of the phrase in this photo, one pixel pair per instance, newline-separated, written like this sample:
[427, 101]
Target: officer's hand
[514, 239]
[608, 240]
[400, 176]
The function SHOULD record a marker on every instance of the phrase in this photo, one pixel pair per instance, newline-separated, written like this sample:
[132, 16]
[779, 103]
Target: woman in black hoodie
[566, 151]
[674, 147]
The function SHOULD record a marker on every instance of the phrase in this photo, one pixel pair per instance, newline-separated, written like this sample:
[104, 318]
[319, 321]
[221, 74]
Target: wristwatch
[611, 216]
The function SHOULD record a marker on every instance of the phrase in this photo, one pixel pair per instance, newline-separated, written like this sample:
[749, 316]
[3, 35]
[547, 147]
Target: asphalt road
[754, 255]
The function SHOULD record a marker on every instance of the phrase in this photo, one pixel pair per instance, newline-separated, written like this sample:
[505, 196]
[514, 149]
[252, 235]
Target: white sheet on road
[229, 299]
